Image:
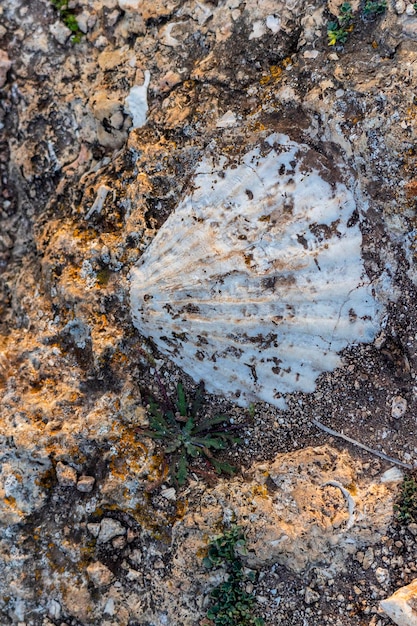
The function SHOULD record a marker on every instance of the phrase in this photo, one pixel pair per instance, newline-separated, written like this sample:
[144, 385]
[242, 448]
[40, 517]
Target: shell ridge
[256, 282]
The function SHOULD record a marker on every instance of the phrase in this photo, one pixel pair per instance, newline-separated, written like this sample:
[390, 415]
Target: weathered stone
[66, 475]
[109, 528]
[401, 606]
[99, 574]
[398, 407]
[85, 484]
[83, 194]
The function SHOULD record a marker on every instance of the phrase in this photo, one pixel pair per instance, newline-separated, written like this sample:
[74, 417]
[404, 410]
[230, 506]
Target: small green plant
[372, 9]
[69, 19]
[338, 31]
[406, 506]
[233, 604]
[182, 438]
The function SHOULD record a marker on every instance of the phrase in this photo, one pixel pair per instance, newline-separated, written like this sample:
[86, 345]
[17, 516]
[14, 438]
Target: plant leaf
[181, 400]
[182, 469]
[209, 423]
[197, 400]
[209, 442]
[220, 467]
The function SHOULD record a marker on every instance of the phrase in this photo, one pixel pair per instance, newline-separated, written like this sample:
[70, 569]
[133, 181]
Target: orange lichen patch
[182, 507]
[159, 471]
[5, 366]
[411, 189]
[352, 488]
[119, 358]
[157, 522]
[10, 501]
[275, 74]
[260, 490]
[130, 454]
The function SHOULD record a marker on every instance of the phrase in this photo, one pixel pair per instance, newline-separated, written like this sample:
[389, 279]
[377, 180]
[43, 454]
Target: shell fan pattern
[256, 282]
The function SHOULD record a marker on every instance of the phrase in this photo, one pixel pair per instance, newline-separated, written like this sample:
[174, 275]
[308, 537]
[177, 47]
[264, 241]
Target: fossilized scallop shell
[256, 282]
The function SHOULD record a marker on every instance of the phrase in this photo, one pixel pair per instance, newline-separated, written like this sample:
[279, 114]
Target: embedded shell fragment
[256, 282]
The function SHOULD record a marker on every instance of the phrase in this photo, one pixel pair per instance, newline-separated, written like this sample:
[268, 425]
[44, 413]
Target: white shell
[169, 494]
[256, 282]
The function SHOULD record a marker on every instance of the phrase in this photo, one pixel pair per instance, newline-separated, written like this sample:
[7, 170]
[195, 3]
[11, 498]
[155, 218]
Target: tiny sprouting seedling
[372, 9]
[406, 507]
[183, 438]
[252, 410]
[338, 31]
[69, 19]
[232, 603]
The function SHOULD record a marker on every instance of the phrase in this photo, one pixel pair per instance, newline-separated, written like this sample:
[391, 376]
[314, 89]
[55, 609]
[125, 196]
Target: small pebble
[66, 475]
[85, 484]
[109, 528]
[398, 407]
[381, 574]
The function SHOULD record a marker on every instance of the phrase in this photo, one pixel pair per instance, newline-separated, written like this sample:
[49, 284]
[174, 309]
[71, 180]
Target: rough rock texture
[92, 531]
[401, 606]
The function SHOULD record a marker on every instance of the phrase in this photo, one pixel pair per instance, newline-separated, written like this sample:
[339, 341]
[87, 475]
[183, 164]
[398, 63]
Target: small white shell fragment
[400, 7]
[400, 606]
[129, 5]
[137, 102]
[311, 54]
[98, 203]
[392, 475]
[169, 494]
[256, 282]
[381, 574]
[273, 23]
[349, 501]
[258, 29]
[166, 38]
[93, 528]
[398, 407]
[227, 120]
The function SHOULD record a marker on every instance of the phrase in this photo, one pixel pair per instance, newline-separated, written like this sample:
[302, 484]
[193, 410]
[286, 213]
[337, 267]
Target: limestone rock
[402, 605]
[66, 475]
[100, 575]
[110, 528]
[298, 500]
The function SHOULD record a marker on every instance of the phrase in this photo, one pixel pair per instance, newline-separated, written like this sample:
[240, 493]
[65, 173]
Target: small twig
[334, 433]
